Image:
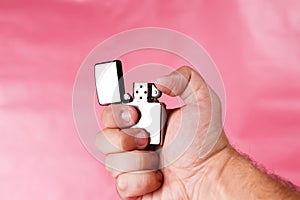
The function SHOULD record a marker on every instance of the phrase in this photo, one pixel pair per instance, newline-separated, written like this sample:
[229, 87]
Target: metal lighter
[111, 90]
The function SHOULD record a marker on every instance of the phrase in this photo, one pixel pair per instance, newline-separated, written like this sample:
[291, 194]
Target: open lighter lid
[109, 82]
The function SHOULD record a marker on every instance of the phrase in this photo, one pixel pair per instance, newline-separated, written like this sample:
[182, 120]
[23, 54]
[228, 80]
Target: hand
[136, 170]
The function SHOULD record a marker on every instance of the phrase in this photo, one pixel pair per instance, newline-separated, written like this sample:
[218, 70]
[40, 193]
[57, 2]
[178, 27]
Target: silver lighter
[111, 90]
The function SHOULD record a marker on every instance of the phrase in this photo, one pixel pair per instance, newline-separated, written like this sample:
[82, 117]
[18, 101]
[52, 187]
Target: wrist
[210, 170]
[227, 174]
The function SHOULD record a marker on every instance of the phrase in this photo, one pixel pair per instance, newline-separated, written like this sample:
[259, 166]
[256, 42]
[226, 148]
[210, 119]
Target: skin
[209, 169]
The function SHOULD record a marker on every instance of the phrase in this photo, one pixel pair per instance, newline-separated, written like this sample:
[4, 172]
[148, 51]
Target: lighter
[111, 90]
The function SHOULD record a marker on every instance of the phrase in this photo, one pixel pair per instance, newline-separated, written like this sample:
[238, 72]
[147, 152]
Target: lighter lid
[109, 82]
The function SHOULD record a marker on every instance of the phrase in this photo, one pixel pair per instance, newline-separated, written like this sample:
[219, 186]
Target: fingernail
[165, 79]
[126, 116]
[122, 184]
[160, 80]
[140, 140]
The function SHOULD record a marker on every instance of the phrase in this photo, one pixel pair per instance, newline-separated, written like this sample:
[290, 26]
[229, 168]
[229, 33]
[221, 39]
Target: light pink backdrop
[256, 45]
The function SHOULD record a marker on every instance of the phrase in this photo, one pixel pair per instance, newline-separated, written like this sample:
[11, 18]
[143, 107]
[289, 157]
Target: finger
[116, 140]
[133, 185]
[184, 82]
[132, 161]
[119, 116]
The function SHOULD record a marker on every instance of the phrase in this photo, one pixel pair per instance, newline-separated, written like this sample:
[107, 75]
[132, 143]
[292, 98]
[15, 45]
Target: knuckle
[185, 68]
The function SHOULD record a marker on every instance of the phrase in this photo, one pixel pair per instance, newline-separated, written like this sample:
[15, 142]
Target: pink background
[42, 44]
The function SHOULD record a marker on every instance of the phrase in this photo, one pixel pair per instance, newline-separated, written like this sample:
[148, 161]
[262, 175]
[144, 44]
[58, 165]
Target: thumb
[186, 83]
[198, 96]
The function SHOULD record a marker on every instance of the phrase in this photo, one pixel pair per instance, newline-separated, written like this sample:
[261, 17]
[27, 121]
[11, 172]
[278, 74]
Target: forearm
[230, 175]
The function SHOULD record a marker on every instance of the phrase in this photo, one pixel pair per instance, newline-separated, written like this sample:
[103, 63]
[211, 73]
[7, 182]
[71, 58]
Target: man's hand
[137, 171]
[208, 168]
